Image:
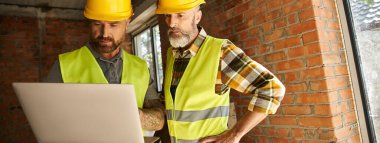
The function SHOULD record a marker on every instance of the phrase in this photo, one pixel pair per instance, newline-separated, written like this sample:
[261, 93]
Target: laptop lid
[93, 113]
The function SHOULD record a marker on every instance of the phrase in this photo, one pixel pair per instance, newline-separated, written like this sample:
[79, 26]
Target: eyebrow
[115, 22]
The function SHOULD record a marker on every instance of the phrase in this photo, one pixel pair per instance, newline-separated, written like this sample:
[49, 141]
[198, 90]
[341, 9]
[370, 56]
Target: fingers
[208, 139]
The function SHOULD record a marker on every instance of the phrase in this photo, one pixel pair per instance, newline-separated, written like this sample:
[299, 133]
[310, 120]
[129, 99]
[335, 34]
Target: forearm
[242, 127]
[152, 119]
[250, 120]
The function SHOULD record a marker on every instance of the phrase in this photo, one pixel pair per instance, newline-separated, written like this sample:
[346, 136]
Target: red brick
[255, 11]
[333, 25]
[234, 21]
[269, 16]
[276, 34]
[270, 132]
[281, 140]
[320, 121]
[280, 23]
[307, 14]
[296, 110]
[293, 18]
[252, 42]
[297, 52]
[327, 135]
[263, 139]
[267, 27]
[313, 98]
[341, 70]
[274, 4]
[297, 133]
[328, 84]
[275, 57]
[290, 65]
[243, 35]
[294, 7]
[231, 4]
[314, 48]
[287, 43]
[317, 73]
[288, 99]
[283, 132]
[350, 118]
[310, 37]
[242, 7]
[327, 109]
[324, 59]
[345, 93]
[282, 120]
[296, 87]
[264, 49]
[314, 61]
[302, 27]
[291, 76]
[354, 139]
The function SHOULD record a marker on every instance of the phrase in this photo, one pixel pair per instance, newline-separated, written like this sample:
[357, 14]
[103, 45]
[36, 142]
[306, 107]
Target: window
[147, 45]
[361, 30]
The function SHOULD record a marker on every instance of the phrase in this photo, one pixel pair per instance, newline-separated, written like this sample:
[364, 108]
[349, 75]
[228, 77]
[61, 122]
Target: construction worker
[200, 70]
[103, 60]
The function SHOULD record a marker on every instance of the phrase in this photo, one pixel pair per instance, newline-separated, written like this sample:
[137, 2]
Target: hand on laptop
[152, 115]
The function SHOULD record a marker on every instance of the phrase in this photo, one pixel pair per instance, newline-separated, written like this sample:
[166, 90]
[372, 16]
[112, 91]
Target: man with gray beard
[200, 70]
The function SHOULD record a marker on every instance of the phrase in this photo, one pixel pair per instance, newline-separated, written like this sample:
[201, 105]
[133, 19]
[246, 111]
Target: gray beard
[179, 42]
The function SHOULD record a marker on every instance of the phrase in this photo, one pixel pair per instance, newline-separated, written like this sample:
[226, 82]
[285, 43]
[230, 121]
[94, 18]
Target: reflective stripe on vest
[197, 110]
[173, 140]
[80, 66]
[191, 116]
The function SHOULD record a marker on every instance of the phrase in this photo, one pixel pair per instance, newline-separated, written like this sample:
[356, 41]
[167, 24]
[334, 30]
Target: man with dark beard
[103, 60]
[200, 70]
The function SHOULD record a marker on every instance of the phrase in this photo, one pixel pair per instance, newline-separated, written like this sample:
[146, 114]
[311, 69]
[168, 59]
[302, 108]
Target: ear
[127, 23]
[198, 16]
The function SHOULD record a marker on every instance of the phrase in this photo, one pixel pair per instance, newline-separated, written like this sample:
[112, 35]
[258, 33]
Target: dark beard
[95, 43]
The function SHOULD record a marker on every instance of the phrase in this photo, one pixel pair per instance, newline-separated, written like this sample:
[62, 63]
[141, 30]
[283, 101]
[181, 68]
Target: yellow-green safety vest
[80, 66]
[197, 111]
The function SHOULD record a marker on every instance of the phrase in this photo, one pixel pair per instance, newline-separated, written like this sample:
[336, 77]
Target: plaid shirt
[236, 71]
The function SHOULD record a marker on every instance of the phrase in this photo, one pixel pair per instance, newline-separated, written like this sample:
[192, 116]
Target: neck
[110, 55]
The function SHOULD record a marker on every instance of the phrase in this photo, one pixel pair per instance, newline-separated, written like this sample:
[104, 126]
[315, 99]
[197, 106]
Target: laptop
[84, 113]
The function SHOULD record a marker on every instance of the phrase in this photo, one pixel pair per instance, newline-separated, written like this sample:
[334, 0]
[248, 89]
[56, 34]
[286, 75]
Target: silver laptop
[81, 113]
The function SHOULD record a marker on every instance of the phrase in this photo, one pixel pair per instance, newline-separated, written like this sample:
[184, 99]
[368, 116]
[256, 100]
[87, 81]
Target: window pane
[157, 48]
[143, 49]
[366, 17]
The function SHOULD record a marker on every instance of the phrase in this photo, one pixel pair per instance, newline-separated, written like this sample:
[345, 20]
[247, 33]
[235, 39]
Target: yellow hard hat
[176, 6]
[108, 10]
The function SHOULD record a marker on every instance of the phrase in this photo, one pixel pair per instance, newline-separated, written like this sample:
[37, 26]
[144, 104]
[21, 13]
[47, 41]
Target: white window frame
[358, 91]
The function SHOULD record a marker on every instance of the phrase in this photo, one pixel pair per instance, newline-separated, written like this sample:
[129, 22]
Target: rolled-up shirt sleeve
[240, 72]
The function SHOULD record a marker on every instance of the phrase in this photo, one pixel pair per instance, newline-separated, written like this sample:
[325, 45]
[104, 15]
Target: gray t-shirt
[112, 70]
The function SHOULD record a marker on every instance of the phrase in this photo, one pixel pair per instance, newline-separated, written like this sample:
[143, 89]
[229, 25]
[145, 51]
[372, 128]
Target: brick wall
[28, 48]
[300, 41]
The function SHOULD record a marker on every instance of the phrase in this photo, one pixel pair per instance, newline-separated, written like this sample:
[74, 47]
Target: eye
[96, 23]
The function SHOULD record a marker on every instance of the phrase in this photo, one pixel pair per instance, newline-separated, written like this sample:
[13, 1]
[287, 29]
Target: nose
[105, 30]
[171, 21]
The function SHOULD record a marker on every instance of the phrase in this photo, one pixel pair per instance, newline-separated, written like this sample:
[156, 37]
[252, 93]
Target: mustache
[175, 30]
[101, 38]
